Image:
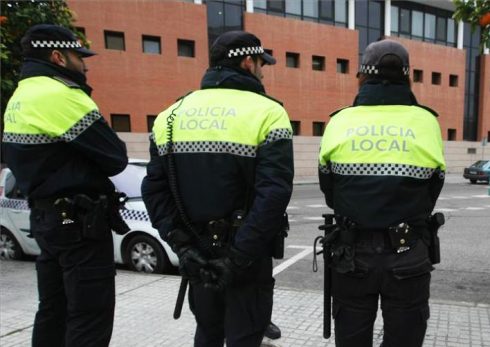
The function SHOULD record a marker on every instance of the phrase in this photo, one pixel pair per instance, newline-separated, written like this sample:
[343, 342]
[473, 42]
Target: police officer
[381, 170]
[232, 150]
[62, 151]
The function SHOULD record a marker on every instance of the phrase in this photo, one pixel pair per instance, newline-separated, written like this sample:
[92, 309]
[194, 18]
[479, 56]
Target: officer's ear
[248, 64]
[57, 58]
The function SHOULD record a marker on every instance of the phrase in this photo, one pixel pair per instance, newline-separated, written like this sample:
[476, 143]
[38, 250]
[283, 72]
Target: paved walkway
[145, 305]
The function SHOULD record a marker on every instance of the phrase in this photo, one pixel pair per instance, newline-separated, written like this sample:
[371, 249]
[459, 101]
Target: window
[185, 48]
[121, 122]
[292, 60]
[275, 5]
[451, 31]
[441, 30]
[417, 23]
[451, 134]
[318, 128]
[430, 27]
[418, 76]
[453, 80]
[394, 19]
[151, 44]
[318, 63]
[114, 40]
[150, 120]
[269, 51]
[404, 21]
[296, 125]
[341, 11]
[293, 8]
[436, 78]
[342, 66]
[471, 150]
[310, 8]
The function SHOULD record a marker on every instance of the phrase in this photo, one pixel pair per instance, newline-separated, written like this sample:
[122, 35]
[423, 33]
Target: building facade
[153, 51]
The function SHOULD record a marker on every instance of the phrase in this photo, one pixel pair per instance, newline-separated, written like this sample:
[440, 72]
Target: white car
[141, 248]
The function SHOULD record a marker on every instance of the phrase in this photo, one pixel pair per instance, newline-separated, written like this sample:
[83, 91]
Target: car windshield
[480, 164]
[129, 181]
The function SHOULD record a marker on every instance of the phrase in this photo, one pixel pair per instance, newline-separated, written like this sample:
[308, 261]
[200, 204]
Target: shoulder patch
[66, 82]
[183, 96]
[429, 109]
[337, 111]
[271, 98]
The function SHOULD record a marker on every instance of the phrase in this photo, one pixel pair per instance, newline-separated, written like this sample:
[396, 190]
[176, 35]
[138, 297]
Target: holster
[435, 222]
[277, 249]
[93, 215]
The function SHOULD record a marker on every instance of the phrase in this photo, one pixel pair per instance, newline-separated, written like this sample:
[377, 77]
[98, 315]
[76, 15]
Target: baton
[180, 297]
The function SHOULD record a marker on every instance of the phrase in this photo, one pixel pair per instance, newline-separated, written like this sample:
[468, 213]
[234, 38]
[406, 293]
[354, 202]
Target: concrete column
[250, 6]
[486, 50]
[459, 43]
[352, 15]
[387, 17]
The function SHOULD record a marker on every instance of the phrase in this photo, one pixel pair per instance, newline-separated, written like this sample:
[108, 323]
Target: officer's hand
[191, 261]
[218, 274]
[177, 239]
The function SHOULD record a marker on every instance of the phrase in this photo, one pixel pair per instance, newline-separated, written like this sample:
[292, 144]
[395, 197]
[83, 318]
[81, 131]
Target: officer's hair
[390, 70]
[230, 62]
[38, 53]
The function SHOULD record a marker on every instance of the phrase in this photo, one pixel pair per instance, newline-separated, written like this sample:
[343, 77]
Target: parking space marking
[285, 264]
[316, 205]
[314, 218]
[481, 196]
[445, 209]
[292, 208]
[474, 208]
[460, 197]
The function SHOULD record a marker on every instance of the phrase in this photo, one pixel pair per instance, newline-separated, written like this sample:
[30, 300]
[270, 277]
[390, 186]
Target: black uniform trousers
[240, 314]
[75, 283]
[402, 280]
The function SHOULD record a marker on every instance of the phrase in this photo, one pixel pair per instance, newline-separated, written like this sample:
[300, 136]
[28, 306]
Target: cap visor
[85, 52]
[268, 59]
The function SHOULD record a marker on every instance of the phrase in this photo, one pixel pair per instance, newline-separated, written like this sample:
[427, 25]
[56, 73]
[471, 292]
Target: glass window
[114, 40]
[361, 13]
[233, 17]
[296, 125]
[441, 29]
[185, 48]
[418, 76]
[375, 14]
[318, 63]
[150, 120]
[342, 66]
[451, 30]
[453, 80]
[326, 9]
[261, 4]
[292, 59]
[417, 23]
[293, 7]
[451, 134]
[275, 5]
[121, 122]
[404, 21]
[318, 128]
[310, 8]
[430, 26]
[373, 35]
[341, 11]
[151, 44]
[394, 19]
[436, 78]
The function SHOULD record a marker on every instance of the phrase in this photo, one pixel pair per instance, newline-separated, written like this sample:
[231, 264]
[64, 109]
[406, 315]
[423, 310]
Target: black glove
[177, 239]
[221, 272]
[191, 261]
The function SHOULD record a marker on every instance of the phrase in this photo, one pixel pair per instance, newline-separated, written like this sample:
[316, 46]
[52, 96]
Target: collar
[231, 78]
[37, 67]
[378, 92]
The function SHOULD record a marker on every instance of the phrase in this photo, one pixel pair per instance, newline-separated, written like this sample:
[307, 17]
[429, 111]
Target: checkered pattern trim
[383, 170]
[134, 215]
[210, 147]
[325, 169]
[55, 44]
[374, 70]
[278, 134]
[245, 51]
[70, 135]
[16, 204]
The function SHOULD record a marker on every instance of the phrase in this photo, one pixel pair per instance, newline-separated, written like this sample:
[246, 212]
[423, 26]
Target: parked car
[141, 248]
[479, 171]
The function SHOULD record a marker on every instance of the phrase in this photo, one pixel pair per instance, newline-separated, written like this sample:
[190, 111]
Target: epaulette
[183, 96]
[434, 113]
[66, 82]
[337, 111]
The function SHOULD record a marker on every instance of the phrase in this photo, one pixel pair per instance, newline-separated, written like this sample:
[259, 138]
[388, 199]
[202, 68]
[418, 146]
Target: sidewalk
[145, 305]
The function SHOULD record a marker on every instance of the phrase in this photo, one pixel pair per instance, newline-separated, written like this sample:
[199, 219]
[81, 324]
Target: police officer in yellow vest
[62, 151]
[381, 170]
[232, 152]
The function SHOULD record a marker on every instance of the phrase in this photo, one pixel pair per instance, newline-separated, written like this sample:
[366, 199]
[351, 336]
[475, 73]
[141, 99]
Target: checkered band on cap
[245, 51]
[55, 44]
[385, 169]
[374, 70]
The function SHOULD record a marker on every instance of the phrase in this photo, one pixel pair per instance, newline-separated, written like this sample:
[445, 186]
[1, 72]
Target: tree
[16, 17]
[477, 13]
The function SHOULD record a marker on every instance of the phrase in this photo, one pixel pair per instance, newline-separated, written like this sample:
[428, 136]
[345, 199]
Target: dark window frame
[122, 116]
[453, 80]
[296, 127]
[296, 57]
[119, 34]
[150, 120]
[418, 76]
[184, 42]
[315, 128]
[451, 134]
[343, 66]
[153, 39]
[436, 78]
[320, 60]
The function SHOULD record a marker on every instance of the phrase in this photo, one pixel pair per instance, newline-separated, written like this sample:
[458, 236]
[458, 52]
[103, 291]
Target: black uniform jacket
[213, 185]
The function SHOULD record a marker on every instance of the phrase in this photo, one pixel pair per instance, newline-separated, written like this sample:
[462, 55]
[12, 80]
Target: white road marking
[285, 264]
[474, 208]
[445, 209]
[481, 196]
[316, 206]
[292, 208]
[459, 197]
[292, 220]
[314, 218]
[442, 198]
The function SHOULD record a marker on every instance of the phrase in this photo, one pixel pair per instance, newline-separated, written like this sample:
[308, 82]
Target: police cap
[50, 36]
[238, 44]
[385, 55]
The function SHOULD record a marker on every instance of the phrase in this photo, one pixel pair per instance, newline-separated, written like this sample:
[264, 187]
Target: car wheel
[473, 181]
[144, 254]
[9, 247]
